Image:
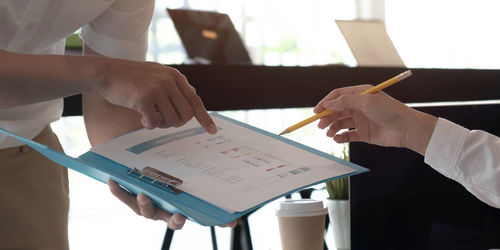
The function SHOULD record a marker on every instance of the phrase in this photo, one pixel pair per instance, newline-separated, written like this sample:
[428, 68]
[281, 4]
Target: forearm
[29, 79]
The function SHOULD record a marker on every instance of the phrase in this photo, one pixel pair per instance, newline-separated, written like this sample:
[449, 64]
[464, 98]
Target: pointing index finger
[200, 113]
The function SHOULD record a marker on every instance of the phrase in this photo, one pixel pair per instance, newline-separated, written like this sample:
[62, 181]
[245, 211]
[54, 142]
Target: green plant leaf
[338, 189]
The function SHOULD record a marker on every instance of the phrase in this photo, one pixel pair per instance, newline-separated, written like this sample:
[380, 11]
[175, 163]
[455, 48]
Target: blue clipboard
[164, 196]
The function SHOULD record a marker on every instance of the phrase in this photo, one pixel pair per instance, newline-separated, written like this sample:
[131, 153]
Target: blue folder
[163, 196]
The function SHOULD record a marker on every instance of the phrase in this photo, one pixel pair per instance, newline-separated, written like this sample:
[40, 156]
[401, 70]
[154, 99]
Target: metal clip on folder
[157, 177]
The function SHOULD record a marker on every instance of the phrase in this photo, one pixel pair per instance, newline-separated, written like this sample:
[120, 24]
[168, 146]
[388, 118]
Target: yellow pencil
[379, 87]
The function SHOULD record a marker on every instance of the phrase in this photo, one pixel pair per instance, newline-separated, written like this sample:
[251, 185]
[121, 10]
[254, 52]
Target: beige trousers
[34, 199]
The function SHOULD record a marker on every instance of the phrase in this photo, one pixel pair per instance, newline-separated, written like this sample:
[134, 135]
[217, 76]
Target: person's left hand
[143, 206]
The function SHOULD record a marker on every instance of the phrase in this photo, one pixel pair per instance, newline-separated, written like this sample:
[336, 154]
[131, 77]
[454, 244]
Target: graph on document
[255, 158]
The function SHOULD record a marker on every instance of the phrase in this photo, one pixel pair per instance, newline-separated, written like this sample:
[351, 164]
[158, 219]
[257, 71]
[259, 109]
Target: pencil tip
[282, 132]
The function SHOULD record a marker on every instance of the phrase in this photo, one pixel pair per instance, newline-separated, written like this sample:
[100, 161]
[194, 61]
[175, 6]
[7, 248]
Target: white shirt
[114, 28]
[470, 157]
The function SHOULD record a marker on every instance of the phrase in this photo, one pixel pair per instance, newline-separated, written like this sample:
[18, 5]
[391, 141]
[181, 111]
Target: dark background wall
[402, 203]
[233, 87]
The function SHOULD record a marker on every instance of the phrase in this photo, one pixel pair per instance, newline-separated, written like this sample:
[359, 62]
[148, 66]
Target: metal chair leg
[167, 240]
[169, 235]
[240, 235]
[214, 238]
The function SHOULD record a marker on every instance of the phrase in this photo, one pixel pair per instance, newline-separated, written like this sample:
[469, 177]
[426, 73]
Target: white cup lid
[301, 208]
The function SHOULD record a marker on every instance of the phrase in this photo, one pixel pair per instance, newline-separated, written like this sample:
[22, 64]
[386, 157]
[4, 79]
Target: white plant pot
[340, 222]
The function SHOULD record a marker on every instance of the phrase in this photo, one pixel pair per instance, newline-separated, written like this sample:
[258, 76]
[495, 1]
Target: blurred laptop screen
[209, 37]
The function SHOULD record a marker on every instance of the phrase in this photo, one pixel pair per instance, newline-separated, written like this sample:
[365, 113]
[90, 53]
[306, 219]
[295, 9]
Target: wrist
[93, 73]
[420, 129]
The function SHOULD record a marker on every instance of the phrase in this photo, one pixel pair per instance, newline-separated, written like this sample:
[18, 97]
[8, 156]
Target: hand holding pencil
[376, 119]
[372, 90]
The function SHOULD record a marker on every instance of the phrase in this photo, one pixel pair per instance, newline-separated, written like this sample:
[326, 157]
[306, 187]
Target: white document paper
[235, 169]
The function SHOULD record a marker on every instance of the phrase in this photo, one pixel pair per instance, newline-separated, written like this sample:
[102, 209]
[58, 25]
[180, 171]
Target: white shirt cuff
[445, 146]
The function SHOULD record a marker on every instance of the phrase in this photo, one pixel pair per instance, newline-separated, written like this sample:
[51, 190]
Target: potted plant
[339, 210]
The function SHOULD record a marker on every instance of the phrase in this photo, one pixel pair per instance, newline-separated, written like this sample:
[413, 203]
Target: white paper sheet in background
[369, 43]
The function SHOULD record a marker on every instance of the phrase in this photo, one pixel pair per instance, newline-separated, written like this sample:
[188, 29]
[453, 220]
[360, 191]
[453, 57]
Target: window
[446, 34]
[276, 32]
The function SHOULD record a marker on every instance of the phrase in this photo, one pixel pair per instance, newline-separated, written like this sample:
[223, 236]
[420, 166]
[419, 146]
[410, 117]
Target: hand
[374, 118]
[143, 206]
[160, 94]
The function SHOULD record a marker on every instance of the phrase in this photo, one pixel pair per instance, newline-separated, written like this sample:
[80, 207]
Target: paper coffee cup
[302, 224]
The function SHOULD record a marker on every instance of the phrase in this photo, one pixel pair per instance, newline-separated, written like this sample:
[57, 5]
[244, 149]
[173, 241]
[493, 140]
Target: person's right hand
[374, 118]
[160, 94]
